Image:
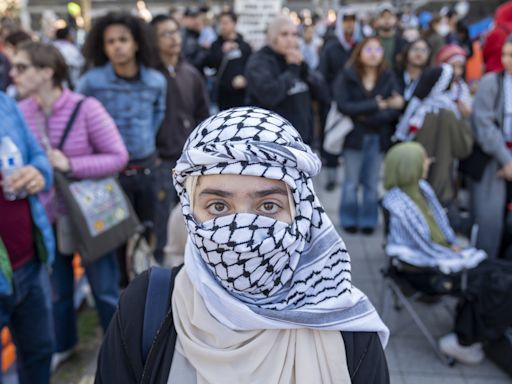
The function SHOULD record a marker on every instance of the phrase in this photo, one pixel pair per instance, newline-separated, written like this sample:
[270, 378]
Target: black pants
[484, 310]
[140, 190]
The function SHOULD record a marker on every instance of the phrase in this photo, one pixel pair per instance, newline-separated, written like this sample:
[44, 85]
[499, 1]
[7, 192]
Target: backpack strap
[158, 300]
[69, 124]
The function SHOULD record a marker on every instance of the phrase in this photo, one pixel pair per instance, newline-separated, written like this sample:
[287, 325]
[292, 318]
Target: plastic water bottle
[10, 162]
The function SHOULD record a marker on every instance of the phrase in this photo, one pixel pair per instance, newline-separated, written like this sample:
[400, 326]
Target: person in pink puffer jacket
[92, 149]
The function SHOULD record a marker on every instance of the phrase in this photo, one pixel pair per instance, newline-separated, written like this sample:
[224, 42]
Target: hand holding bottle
[27, 179]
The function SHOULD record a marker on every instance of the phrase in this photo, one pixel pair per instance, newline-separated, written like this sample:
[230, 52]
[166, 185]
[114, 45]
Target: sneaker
[350, 229]
[472, 354]
[368, 230]
[60, 357]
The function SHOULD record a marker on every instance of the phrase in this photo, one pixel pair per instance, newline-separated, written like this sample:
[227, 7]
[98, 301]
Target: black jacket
[356, 102]
[333, 59]
[228, 66]
[284, 89]
[186, 106]
[120, 358]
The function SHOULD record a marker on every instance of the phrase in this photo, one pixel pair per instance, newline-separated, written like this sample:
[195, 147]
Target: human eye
[217, 208]
[270, 208]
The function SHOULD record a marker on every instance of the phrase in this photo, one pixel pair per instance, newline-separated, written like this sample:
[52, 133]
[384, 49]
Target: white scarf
[280, 356]
[254, 272]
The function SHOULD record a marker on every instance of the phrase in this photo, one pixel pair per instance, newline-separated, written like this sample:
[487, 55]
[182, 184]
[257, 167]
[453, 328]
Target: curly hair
[93, 49]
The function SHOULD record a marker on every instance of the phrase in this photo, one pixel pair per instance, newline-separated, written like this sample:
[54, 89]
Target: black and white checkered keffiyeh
[417, 109]
[255, 272]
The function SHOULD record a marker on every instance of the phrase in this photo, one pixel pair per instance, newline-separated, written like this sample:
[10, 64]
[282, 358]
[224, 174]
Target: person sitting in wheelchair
[431, 259]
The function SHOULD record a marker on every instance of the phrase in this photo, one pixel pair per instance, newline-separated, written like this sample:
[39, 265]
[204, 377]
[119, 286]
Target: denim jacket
[14, 126]
[137, 107]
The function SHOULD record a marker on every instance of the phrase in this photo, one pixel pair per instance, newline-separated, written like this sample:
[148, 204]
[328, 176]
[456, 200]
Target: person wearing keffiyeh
[432, 260]
[419, 231]
[455, 56]
[433, 119]
[266, 293]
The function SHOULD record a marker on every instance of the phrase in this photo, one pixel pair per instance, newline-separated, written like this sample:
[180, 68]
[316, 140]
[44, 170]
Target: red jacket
[496, 38]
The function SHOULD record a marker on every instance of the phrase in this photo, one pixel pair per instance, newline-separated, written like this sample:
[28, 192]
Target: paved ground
[411, 360]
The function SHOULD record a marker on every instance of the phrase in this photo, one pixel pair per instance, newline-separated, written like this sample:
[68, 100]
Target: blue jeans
[28, 314]
[166, 200]
[361, 168]
[103, 276]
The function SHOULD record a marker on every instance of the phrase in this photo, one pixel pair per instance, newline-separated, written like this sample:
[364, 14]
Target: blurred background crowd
[401, 71]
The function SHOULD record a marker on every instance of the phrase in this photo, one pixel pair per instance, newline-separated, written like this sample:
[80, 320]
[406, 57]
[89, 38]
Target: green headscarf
[403, 168]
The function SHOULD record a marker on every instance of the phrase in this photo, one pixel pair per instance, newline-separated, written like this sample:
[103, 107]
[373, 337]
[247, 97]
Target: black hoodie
[228, 66]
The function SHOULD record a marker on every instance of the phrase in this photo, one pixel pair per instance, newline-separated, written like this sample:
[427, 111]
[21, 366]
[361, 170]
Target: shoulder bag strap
[70, 124]
[158, 300]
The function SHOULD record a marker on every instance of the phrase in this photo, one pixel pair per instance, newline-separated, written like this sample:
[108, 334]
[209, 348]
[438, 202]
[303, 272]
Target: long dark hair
[404, 55]
[93, 50]
[355, 59]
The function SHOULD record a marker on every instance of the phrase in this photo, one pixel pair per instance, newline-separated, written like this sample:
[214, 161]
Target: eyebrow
[258, 194]
[215, 192]
[271, 191]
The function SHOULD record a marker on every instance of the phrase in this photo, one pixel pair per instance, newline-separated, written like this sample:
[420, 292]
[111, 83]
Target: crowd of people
[133, 94]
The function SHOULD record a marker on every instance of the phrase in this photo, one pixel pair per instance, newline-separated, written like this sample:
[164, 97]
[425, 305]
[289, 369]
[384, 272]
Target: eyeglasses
[21, 67]
[168, 33]
[420, 50]
[377, 50]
